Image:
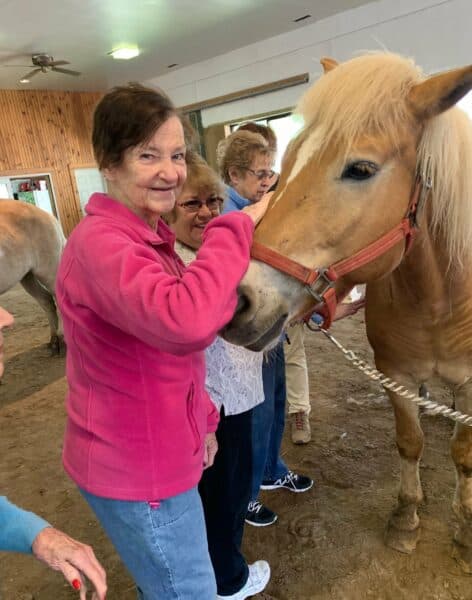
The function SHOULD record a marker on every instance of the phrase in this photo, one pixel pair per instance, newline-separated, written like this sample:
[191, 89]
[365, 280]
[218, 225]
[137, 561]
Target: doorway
[285, 126]
[35, 189]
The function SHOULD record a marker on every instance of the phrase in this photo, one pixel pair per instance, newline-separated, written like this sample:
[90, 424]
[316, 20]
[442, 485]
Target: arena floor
[327, 543]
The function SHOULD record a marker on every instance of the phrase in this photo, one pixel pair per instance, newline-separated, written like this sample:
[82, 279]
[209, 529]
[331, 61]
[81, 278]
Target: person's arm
[23, 531]
[124, 284]
[346, 309]
[18, 527]
[343, 309]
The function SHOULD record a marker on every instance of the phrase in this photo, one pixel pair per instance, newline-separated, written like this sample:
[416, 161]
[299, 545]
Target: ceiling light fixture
[24, 80]
[124, 53]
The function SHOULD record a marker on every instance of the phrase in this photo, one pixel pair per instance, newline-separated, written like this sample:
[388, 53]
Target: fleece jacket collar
[105, 206]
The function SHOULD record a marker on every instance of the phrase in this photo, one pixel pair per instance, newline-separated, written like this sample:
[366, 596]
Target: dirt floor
[327, 543]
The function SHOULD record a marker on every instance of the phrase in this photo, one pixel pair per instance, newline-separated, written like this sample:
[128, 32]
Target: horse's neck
[427, 277]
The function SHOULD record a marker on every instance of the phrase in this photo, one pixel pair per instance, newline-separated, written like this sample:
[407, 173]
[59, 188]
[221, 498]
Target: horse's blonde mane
[368, 94]
[447, 139]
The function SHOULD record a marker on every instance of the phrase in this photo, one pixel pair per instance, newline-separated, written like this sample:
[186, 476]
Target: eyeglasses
[261, 174]
[194, 205]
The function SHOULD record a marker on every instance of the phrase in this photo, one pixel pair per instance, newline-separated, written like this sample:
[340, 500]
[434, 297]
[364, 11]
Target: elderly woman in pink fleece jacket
[140, 425]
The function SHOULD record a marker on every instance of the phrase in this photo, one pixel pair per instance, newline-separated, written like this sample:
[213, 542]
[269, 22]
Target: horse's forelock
[366, 95]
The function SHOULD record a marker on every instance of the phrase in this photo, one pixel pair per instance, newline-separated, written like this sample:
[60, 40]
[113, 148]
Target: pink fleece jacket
[136, 322]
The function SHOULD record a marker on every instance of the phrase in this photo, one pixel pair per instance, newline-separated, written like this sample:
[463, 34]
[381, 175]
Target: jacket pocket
[193, 420]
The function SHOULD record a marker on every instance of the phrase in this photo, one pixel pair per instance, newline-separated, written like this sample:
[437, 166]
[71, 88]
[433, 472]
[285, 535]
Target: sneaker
[259, 575]
[259, 515]
[300, 428]
[291, 481]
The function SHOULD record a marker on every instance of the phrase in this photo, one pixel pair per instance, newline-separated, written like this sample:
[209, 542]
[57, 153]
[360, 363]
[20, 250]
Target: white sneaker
[259, 575]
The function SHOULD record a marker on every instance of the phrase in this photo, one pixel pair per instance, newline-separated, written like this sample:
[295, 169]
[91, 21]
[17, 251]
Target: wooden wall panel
[42, 130]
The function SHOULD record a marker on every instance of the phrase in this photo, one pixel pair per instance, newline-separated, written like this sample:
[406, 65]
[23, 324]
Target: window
[35, 189]
[466, 104]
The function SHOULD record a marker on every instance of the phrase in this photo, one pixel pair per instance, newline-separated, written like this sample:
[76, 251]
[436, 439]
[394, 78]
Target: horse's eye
[360, 170]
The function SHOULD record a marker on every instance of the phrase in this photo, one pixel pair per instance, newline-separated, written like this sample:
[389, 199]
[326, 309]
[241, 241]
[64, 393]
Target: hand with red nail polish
[75, 560]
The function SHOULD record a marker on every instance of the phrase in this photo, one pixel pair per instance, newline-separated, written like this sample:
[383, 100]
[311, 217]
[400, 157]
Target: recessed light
[24, 80]
[124, 53]
[301, 18]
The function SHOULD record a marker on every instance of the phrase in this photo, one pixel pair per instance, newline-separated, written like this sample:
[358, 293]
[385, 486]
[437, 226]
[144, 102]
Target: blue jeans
[268, 422]
[163, 544]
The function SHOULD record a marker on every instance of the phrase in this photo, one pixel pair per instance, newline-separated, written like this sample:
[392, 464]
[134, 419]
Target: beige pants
[296, 371]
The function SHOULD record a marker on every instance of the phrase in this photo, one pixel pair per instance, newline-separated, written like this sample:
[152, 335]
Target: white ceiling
[166, 31]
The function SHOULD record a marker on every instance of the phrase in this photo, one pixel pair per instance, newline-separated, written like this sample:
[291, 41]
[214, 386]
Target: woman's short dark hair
[125, 117]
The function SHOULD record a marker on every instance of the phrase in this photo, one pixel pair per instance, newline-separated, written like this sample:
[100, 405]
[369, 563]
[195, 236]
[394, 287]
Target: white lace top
[234, 374]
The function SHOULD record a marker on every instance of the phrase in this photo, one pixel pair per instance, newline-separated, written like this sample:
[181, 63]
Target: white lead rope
[432, 407]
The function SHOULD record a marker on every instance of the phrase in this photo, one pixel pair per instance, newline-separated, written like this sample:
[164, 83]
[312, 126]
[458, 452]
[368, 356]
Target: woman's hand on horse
[257, 210]
[76, 561]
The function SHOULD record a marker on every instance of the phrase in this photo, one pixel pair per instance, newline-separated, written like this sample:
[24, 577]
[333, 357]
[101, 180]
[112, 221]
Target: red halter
[320, 281]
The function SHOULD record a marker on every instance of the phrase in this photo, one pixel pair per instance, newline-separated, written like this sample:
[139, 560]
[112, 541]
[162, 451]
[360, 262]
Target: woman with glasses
[234, 382]
[246, 165]
[245, 161]
[140, 424]
[271, 139]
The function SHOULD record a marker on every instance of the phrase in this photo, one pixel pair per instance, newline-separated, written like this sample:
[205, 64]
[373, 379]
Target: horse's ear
[328, 64]
[440, 92]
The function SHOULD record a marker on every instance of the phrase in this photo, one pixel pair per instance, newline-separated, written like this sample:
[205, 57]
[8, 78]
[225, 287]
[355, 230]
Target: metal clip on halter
[315, 322]
[324, 282]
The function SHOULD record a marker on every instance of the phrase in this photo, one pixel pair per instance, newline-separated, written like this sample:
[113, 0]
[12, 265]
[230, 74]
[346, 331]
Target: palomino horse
[354, 191]
[31, 243]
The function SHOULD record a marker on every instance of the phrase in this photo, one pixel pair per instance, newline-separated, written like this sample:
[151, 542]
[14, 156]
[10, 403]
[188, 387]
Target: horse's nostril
[243, 304]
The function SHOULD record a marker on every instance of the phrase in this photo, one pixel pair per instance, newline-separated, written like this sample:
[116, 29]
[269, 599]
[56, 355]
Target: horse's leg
[46, 275]
[461, 450]
[403, 526]
[45, 299]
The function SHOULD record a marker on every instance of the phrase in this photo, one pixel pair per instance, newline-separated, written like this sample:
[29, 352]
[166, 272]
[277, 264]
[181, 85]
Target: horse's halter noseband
[319, 282]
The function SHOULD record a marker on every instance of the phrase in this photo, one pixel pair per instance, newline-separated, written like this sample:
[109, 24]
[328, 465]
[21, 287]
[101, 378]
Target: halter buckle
[324, 280]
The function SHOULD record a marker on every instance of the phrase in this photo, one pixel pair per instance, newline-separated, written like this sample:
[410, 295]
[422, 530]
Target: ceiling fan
[45, 63]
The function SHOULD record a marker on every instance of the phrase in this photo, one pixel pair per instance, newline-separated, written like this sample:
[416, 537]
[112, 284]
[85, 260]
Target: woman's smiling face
[193, 211]
[151, 176]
